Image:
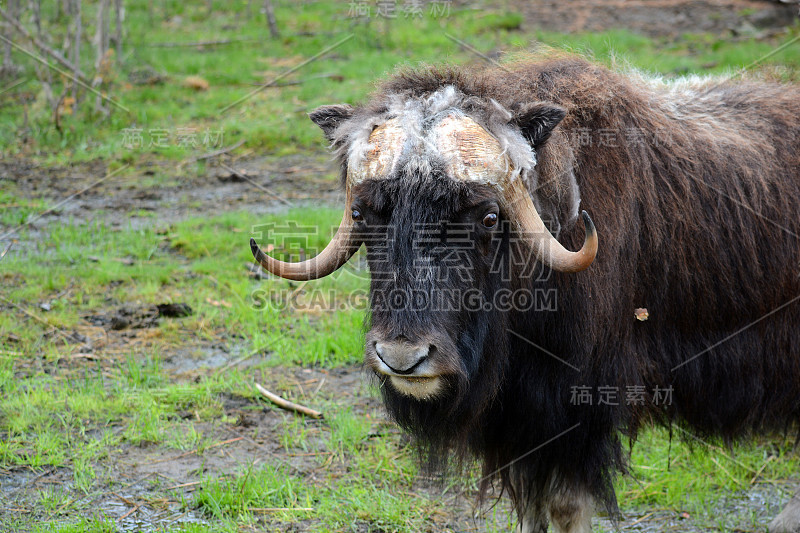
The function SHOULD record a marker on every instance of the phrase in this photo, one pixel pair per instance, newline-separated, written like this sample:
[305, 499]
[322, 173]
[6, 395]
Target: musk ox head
[441, 188]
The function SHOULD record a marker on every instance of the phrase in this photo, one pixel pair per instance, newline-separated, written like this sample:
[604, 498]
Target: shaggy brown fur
[695, 191]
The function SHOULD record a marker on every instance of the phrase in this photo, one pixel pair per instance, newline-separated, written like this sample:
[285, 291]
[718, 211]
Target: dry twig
[196, 450]
[199, 43]
[2, 255]
[760, 470]
[277, 509]
[286, 404]
[126, 515]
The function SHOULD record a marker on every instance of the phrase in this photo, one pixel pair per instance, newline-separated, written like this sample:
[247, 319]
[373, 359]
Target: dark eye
[490, 220]
[357, 216]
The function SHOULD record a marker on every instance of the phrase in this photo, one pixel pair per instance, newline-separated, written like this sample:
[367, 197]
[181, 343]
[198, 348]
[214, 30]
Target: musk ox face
[424, 204]
[435, 263]
[438, 190]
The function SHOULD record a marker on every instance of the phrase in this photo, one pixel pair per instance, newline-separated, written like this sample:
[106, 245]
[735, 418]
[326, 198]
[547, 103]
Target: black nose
[401, 356]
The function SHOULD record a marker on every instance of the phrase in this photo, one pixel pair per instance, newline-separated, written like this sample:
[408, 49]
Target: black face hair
[425, 241]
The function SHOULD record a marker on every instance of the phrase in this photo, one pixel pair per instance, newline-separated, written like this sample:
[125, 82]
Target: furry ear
[329, 117]
[537, 120]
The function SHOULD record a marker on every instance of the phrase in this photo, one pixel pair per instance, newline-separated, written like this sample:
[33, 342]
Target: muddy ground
[174, 190]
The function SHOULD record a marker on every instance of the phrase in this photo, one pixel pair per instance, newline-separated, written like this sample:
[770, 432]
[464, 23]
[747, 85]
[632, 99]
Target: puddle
[145, 518]
[11, 482]
[185, 360]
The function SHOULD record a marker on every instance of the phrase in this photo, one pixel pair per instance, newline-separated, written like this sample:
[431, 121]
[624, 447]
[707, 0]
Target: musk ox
[465, 184]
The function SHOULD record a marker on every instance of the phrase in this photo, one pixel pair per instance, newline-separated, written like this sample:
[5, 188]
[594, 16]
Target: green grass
[85, 525]
[699, 478]
[72, 406]
[246, 492]
[273, 120]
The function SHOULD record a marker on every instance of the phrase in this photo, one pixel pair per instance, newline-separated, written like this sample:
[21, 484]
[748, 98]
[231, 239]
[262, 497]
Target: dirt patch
[137, 317]
[157, 193]
[659, 18]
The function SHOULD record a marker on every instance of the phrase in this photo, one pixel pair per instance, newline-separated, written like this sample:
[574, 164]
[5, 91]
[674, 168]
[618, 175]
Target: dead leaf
[219, 303]
[195, 82]
[65, 107]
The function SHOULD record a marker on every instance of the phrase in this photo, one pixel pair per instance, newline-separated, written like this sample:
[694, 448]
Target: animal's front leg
[531, 523]
[571, 511]
[532, 516]
[789, 519]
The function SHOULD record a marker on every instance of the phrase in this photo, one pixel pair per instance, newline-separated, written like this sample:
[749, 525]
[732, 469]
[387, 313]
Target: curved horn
[383, 154]
[341, 248]
[546, 248]
[474, 155]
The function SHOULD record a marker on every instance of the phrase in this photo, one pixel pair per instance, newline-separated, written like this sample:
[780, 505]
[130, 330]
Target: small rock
[119, 322]
[174, 310]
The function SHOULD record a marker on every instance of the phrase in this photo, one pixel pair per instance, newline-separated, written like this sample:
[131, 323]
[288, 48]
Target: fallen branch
[68, 337]
[2, 255]
[640, 520]
[278, 509]
[768, 461]
[126, 515]
[725, 470]
[200, 43]
[286, 404]
[215, 153]
[184, 485]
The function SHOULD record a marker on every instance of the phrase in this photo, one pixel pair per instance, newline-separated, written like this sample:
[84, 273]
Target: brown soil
[659, 18]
